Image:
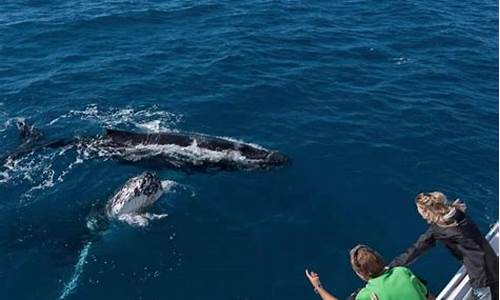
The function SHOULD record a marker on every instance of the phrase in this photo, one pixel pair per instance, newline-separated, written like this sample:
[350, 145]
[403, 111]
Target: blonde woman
[450, 225]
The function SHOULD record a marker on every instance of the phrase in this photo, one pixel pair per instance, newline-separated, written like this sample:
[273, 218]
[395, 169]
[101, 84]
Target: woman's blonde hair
[435, 208]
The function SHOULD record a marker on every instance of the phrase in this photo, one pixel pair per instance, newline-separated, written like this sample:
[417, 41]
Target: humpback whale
[188, 151]
[129, 203]
[136, 194]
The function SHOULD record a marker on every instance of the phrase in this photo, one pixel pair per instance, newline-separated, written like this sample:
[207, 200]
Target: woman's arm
[424, 242]
[318, 288]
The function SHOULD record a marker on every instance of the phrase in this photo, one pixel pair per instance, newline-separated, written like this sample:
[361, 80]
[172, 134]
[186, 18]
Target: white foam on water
[72, 284]
[140, 220]
[47, 182]
[401, 60]
[152, 118]
[65, 172]
[25, 168]
[9, 122]
[37, 169]
[153, 126]
[171, 186]
[4, 177]
[167, 185]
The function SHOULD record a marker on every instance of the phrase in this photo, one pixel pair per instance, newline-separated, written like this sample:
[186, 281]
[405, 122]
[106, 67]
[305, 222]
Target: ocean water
[374, 101]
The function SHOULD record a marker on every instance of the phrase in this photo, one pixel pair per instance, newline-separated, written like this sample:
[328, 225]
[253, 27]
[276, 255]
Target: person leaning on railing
[450, 225]
[382, 283]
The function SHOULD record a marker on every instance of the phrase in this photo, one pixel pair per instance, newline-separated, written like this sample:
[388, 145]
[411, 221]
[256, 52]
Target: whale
[190, 150]
[171, 149]
[137, 194]
[128, 204]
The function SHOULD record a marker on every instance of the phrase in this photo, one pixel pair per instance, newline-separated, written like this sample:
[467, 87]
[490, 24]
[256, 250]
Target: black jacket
[466, 243]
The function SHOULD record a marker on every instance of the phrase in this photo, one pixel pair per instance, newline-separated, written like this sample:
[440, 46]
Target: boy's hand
[314, 279]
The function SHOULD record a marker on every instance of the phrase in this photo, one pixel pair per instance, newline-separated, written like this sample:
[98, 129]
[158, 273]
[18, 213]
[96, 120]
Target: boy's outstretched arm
[318, 288]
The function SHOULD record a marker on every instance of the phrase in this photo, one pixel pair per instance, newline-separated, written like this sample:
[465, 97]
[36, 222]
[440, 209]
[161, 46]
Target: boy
[381, 283]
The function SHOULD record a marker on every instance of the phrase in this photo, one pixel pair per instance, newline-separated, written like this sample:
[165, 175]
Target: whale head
[137, 194]
[275, 158]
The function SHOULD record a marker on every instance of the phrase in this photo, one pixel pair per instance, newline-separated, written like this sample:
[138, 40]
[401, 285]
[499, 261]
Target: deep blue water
[374, 101]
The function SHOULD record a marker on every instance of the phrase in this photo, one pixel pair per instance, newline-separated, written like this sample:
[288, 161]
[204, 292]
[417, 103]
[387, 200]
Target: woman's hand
[314, 279]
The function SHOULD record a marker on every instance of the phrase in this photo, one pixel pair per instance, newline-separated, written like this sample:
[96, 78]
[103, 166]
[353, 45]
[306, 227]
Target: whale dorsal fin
[115, 132]
[125, 136]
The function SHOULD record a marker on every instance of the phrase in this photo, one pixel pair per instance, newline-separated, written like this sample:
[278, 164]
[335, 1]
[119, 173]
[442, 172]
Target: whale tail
[31, 136]
[27, 133]
[28, 136]
[31, 139]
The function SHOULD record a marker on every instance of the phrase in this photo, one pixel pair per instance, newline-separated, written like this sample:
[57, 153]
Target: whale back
[134, 138]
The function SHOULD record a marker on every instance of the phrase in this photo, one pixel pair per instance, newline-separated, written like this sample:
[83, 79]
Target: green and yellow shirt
[394, 284]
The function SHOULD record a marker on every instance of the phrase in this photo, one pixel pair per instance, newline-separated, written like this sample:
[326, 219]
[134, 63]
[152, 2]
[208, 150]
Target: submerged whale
[191, 151]
[129, 204]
